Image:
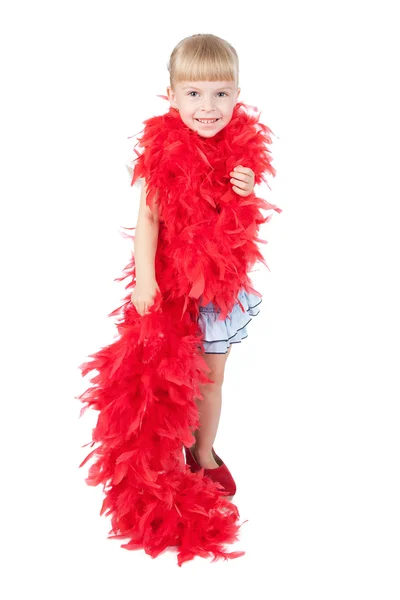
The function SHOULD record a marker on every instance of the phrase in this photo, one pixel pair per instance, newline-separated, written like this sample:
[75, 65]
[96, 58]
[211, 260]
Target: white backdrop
[310, 416]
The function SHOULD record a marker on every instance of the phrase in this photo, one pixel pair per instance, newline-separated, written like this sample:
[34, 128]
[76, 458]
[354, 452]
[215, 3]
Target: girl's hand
[143, 295]
[243, 180]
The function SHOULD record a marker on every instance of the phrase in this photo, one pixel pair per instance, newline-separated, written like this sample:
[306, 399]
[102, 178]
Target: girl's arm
[146, 238]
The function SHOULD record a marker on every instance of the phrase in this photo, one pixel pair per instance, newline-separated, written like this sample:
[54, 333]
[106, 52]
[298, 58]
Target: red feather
[145, 382]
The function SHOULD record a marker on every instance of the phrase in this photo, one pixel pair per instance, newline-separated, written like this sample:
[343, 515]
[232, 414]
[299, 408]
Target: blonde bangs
[203, 57]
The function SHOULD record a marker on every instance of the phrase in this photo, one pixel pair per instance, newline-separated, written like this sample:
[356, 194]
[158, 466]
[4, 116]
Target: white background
[310, 418]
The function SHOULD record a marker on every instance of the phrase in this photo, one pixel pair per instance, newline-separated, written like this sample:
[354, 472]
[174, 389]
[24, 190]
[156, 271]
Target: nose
[208, 104]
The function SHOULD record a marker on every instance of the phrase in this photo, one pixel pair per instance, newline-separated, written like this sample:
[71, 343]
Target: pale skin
[194, 100]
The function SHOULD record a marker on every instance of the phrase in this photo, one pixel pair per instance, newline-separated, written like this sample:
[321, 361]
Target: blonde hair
[203, 57]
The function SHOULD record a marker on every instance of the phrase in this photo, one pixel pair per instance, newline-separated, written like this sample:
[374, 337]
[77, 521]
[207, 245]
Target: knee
[217, 378]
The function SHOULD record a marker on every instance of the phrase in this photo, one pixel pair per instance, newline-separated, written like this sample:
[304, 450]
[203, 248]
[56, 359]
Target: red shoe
[221, 474]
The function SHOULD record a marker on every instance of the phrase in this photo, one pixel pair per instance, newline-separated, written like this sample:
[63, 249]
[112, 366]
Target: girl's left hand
[243, 180]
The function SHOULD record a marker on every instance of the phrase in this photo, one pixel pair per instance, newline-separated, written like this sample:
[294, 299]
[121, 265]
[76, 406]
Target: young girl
[158, 387]
[206, 107]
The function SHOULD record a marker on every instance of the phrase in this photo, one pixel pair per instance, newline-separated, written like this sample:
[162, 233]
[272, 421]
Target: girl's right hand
[143, 295]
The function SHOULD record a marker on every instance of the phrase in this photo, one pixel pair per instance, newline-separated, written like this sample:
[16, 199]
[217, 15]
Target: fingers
[239, 191]
[243, 179]
[240, 184]
[143, 306]
[242, 173]
[142, 309]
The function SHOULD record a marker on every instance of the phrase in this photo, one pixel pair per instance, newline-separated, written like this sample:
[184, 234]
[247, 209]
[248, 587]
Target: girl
[206, 107]
[192, 299]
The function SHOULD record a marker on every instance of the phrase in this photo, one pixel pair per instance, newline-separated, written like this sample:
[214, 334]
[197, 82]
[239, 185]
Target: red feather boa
[148, 378]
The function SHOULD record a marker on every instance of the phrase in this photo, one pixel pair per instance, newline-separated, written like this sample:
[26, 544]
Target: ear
[171, 97]
[238, 92]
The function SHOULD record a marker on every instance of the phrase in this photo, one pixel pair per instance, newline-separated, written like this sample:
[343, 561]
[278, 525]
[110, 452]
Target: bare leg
[209, 411]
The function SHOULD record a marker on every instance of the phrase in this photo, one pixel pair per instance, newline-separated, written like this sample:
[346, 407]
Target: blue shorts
[218, 334]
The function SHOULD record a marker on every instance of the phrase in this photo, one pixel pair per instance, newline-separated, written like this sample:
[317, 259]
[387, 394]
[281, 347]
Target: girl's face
[204, 106]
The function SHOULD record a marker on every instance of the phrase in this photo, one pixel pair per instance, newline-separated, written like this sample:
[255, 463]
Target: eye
[193, 92]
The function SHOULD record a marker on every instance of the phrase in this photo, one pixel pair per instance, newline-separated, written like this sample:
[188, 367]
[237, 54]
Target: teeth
[207, 120]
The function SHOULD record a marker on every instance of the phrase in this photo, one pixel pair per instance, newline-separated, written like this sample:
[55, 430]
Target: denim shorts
[218, 334]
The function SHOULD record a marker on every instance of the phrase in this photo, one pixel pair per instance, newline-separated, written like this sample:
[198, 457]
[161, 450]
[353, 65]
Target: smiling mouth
[207, 121]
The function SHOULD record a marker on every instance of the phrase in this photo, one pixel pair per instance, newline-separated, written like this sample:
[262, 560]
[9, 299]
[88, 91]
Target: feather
[145, 382]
